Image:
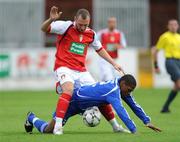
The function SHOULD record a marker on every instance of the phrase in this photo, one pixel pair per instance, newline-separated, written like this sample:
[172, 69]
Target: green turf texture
[15, 104]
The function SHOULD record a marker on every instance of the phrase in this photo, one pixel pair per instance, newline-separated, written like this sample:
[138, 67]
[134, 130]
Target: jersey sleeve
[96, 44]
[122, 113]
[59, 27]
[136, 108]
[123, 40]
[161, 42]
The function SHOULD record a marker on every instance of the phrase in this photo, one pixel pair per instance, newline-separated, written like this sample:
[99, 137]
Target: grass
[15, 104]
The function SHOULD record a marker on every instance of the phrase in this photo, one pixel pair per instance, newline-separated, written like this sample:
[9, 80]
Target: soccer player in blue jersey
[98, 94]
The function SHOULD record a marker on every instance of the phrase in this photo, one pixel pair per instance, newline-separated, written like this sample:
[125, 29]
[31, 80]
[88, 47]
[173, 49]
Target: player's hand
[119, 69]
[151, 126]
[54, 14]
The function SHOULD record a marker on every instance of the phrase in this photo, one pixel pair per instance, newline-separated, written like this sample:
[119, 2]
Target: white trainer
[58, 131]
[120, 129]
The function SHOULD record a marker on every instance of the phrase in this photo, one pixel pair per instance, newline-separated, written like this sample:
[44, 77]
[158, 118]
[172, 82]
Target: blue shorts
[173, 68]
[77, 107]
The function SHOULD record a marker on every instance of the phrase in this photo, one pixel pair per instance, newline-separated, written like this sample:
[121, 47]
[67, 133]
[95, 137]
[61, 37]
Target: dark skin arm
[154, 128]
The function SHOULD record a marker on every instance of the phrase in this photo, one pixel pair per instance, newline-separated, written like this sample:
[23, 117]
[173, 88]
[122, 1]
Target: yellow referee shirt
[170, 42]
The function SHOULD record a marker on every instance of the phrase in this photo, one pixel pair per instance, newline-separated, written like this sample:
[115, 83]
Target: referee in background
[170, 43]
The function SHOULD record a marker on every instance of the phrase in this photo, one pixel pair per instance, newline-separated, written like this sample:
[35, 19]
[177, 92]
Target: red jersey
[109, 39]
[72, 45]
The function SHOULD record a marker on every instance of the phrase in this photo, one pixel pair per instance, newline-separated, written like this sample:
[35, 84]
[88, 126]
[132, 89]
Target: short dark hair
[129, 80]
[83, 12]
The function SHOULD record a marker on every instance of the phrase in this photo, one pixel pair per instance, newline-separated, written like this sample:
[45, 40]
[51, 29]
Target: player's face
[126, 89]
[173, 26]
[112, 22]
[81, 24]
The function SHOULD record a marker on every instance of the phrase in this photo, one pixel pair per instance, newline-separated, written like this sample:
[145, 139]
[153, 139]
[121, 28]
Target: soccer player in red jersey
[73, 40]
[112, 39]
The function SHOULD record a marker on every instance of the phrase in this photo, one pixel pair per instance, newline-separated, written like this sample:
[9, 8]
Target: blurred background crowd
[27, 54]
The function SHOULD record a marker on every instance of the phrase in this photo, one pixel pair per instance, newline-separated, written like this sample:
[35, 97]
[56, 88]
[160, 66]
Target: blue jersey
[108, 93]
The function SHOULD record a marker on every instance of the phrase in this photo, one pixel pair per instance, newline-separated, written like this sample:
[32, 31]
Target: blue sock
[39, 124]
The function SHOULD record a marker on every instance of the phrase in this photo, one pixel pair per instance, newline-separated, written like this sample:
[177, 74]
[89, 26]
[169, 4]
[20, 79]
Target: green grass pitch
[15, 104]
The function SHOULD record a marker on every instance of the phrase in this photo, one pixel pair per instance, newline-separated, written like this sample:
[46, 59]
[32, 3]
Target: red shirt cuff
[99, 49]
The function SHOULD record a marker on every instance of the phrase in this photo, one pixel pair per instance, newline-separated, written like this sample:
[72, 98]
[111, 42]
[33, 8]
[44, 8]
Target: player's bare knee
[68, 88]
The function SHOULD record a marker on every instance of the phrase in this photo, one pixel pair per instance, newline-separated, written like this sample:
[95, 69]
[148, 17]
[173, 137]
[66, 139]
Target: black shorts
[173, 68]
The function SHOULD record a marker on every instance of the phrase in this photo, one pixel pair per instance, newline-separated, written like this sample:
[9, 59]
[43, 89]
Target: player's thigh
[86, 78]
[173, 68]
[65, 79]
[105, 70]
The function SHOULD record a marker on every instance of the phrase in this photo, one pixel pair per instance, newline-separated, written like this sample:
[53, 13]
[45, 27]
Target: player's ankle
[58, 129]
[58, 123]
[114, 123]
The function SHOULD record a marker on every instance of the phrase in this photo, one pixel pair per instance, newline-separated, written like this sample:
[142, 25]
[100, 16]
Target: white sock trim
[35, 119]
[58, 123]
[114, 123]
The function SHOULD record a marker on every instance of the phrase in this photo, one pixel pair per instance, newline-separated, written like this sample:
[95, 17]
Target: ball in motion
[91, 116]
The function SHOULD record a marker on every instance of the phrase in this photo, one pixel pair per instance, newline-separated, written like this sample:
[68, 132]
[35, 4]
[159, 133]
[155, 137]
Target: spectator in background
[170, 43]
[112, 40]
[74, 38]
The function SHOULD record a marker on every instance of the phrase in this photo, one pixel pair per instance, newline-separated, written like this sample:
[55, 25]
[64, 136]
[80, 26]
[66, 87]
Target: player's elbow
[44, 29]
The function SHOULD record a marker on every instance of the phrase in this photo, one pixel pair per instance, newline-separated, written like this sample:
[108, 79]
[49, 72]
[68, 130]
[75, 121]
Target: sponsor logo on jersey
[111, 47]
[77, 48]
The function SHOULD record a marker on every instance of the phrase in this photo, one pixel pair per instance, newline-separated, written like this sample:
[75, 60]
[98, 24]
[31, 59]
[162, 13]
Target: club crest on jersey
[63, 76]
[80, 38]
[112, 38]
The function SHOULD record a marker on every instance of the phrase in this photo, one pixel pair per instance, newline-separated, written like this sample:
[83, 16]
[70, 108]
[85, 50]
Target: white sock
[58, 123]
[114, 123]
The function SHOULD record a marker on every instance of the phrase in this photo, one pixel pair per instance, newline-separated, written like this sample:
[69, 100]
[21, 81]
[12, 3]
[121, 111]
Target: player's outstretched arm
[53, 16]
[154, 128]
[136, 108]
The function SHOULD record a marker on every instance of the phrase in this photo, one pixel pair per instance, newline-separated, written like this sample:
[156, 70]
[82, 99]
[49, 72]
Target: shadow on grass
[65, 133]
[16, 133]
[87, 132]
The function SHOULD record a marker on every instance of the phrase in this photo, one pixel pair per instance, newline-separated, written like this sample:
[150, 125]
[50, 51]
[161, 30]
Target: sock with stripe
[39, 124]
[61, 109]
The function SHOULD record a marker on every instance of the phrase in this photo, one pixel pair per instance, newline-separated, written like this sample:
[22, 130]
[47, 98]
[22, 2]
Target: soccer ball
[91, 116]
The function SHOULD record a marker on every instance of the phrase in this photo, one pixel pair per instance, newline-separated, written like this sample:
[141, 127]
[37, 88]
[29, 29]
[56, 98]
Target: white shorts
[106, 70]
[64, 74]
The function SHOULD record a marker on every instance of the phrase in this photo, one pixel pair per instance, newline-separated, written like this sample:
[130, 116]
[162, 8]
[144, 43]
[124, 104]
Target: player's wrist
[147, 124]
[133, 132]
[51, 19]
